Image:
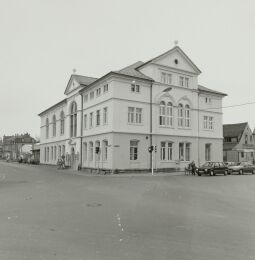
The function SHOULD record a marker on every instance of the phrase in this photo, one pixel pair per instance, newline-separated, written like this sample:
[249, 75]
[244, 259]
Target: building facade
[109, 122]
[239, 143]
[12, 145]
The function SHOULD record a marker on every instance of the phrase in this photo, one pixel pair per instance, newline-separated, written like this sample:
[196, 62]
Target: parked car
[229, 164]
[242, 167]
[212, 168]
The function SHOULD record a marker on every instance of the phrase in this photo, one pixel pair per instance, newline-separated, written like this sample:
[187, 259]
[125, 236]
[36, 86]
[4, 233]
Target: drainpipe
[81, 129]
[151, 154]
[198, 126]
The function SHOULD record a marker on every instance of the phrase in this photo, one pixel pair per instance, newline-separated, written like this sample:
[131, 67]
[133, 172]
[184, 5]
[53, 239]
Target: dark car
[212, 168]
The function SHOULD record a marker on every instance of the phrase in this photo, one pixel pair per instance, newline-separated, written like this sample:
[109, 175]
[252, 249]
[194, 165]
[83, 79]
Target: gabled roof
[57, 104]
[133, 72]
[234, 130]
[208, 90]
[176, 48]
[82, 80]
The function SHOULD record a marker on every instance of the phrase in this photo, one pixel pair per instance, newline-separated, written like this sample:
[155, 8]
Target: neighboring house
[239, 143]
[109, 122]
[13, 145]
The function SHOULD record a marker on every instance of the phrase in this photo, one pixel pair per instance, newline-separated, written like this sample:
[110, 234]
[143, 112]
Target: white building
[157, 103]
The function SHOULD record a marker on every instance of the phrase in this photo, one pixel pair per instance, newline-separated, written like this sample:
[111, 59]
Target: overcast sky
[41, 41]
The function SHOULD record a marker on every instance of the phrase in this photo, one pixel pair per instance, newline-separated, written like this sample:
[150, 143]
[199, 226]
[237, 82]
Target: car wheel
[226, 173]
[199, 174]
[241, 172]
[211, 173]
[253, 171]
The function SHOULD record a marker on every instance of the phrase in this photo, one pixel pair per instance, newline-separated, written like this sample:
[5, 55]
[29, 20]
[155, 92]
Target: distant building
[1, 148]
[111, 121]
[13, 145]
[239, 143]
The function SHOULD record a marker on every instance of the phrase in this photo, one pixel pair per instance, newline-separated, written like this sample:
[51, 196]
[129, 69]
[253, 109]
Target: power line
[237, 105]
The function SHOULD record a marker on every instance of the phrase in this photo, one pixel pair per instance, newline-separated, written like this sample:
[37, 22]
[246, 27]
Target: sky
[42, 41]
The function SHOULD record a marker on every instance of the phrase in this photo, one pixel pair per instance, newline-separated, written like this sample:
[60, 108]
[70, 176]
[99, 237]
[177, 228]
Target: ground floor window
[91, 151]
[133, 150]
[63, 150]
[166, 151]
[97, 150]
[105, 150]
[59, 151]
[208, 152]
[184, 151]
[85, 151]
[48, 154]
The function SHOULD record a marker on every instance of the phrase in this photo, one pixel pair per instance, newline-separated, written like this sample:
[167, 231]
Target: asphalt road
[51, 214]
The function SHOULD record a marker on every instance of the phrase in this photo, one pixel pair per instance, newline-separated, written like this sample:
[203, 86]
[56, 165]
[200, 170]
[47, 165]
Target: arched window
[162, 113]
[105, 150]
[62, 123]
[91, 151]
[169, 114]
[187, 116]
[73, 120]
[59, 151]
[54, 125]
[180, 115]
[97, 150]
[47, 127]
[85, 151]
[48, 154]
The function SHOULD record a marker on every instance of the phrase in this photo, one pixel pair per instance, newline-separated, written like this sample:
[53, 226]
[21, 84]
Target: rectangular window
[91, 120]
[91, 95]
[166, 151]
[85, 121]
[138, 116]
[105, 88]
[181, 151]
[85, 98]
[98, 118]
[133, 150]
[134, 115]
[163, 151]
[186, 82]
[187, 152]
[181, 81]
[208, 152]
[135, 88]
[169, 79]
[205, 122]
[131, 114]
[105, 120]
[210, 124]
[105, 150]
[163, 77]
